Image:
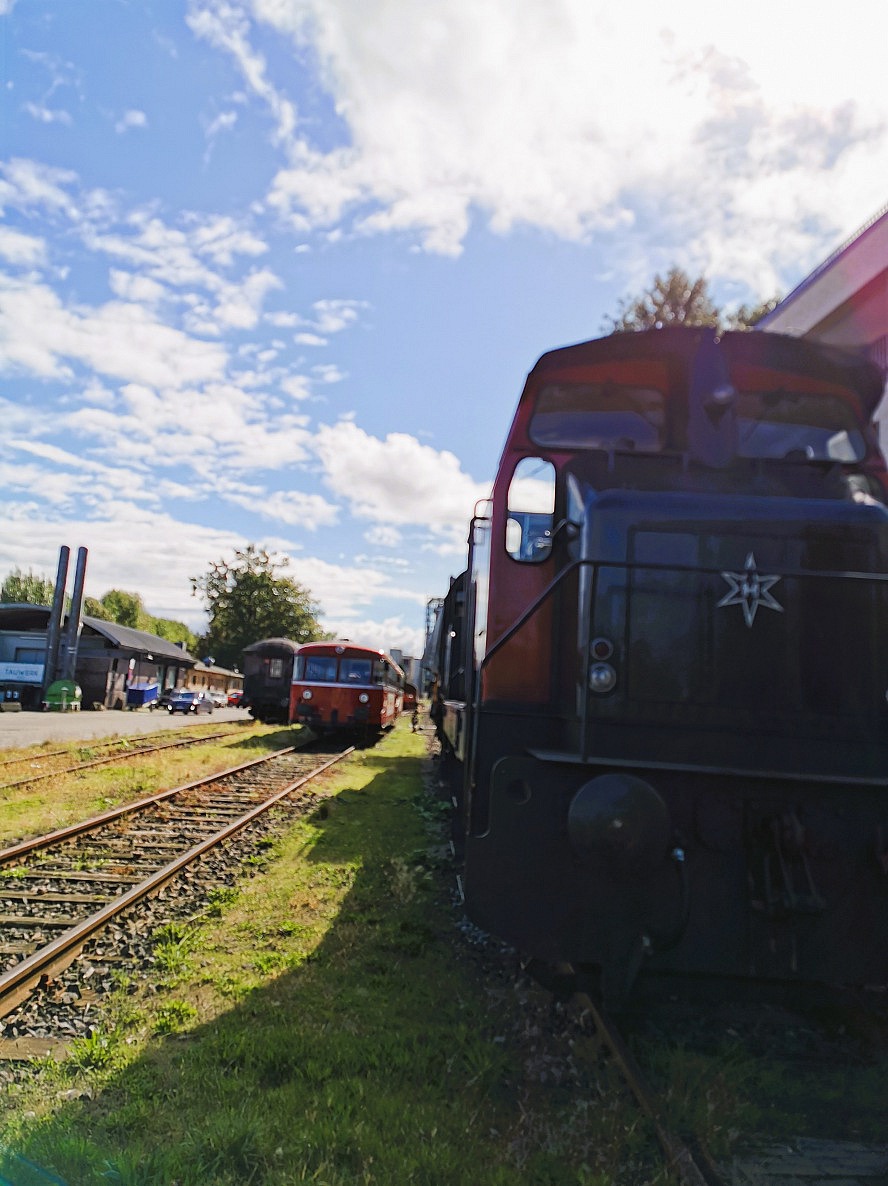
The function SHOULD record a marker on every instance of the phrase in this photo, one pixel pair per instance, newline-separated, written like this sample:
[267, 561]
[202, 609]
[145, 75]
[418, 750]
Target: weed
[174, 1016]
[93, 1052]
[405, 879]
[173, 944]
[219, 898]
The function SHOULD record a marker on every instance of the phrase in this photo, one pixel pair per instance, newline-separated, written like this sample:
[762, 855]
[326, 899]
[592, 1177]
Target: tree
[676, 299]
[174, 631]
[93, 608]
[26, 588]
[246, 600]
[747, 316]
[127, 609]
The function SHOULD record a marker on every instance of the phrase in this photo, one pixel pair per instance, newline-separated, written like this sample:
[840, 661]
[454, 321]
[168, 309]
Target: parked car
[219, 699]
[186, 702]
[163, 700]
[235, 697]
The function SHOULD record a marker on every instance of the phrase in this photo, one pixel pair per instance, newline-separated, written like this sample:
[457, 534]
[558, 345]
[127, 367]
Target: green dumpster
[62, 696]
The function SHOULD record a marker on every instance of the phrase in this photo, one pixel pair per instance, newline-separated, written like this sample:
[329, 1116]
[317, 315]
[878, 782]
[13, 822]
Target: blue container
[138, 695]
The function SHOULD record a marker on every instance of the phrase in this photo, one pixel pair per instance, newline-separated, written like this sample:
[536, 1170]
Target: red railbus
[341, 686]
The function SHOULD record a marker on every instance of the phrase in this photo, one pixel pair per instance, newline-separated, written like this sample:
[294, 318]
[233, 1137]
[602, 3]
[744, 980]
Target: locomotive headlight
[602, 678]
[306, 694]
[363, 698]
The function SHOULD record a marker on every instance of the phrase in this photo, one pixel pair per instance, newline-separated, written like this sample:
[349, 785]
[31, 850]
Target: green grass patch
[42, 806]
[324, 1027]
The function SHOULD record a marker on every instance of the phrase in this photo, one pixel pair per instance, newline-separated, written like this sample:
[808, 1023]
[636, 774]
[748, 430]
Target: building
[110, 658]
[844, 301]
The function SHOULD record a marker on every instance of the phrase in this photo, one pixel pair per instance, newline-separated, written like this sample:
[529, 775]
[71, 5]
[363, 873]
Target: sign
[23, 673]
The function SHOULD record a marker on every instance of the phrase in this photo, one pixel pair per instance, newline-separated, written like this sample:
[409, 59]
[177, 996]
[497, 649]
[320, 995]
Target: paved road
[32, 728]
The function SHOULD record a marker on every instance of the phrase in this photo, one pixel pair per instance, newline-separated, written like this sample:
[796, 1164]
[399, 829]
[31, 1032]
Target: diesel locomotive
[661, 680]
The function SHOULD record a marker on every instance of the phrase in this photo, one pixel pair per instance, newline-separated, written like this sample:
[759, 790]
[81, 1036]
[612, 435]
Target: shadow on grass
[346, 1043]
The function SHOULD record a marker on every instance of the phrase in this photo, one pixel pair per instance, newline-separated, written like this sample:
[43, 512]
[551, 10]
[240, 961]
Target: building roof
[140, 641]
[843, 300]
[21, 616]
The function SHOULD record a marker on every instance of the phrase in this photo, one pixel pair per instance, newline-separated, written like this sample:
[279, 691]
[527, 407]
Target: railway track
[59, 890]
[846, 1159]
[122, 749]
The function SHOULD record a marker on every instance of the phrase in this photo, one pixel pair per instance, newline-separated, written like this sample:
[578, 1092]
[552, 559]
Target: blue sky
[274, 271]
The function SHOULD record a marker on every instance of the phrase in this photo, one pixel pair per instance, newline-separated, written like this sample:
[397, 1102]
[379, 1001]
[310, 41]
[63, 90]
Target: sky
[274, 271]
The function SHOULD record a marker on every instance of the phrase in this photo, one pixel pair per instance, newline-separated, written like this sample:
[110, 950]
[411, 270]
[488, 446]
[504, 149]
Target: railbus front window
[354, 671]
[531, 509]
[316, 668]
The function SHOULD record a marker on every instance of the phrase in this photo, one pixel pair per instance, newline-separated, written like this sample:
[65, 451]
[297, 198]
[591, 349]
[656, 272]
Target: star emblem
[749, 590]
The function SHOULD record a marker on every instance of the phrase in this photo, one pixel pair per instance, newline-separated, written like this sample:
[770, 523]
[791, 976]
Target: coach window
[531, 508]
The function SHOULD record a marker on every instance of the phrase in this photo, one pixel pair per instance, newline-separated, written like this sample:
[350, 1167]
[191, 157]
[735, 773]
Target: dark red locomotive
[664, 672]
[340, 686]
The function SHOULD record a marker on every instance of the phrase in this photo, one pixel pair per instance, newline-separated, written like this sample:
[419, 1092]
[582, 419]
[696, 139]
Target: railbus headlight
[363, 698]
[306, 694]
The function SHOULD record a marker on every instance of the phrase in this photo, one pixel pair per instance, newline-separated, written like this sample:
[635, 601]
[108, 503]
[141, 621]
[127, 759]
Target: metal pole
[54, 626]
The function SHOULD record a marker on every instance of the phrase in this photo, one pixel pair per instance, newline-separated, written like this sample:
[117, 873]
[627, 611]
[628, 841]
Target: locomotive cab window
[798, 425]
[601, 415]
[531, 508]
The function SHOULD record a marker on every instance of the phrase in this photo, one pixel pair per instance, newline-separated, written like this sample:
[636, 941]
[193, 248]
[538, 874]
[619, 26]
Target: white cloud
[575, 117]
[29, 185]
[140, 289]
[39, 335]
[158, 571]
[131, 119]
[225, 27]
[398, 481]
[383, 535]
[47, 115]
[290, 507]
[388, 634]
[21, 249]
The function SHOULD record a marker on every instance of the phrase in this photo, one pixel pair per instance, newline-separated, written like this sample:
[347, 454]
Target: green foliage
[174, 631]
[747, 316]
[174, 1016]
[248, 599]
[676, 299]
[93, 608]
[127, 609]
[26, 588]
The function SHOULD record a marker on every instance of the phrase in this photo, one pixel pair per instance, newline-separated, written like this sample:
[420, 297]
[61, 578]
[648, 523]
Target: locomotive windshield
[771, 424]
[797, 424]
[600, 415]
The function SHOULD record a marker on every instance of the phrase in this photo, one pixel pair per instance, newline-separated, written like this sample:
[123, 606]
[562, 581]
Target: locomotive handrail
[656, 566]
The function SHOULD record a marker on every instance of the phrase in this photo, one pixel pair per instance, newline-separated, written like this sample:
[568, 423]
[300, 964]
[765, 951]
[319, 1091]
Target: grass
[320, 1024]
[38, 807]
